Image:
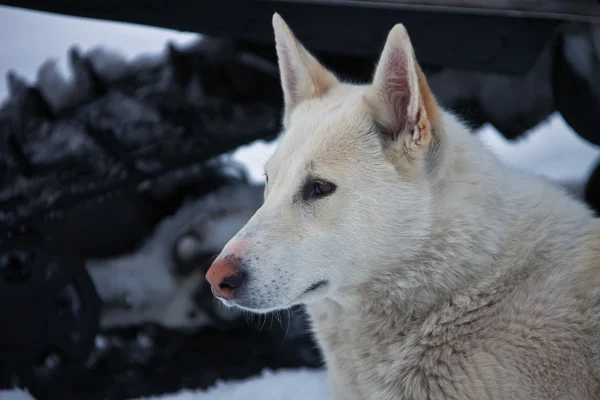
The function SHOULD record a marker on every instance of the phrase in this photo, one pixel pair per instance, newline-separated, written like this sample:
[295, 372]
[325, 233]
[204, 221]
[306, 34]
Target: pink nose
[224, 276]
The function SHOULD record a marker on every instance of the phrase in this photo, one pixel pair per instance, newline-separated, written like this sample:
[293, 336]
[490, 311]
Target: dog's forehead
[324, 131]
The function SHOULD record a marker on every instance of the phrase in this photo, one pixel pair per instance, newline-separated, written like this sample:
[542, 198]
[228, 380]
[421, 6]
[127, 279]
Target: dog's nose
[224, 276]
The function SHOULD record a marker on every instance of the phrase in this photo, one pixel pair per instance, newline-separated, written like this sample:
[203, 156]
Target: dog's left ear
[399, 97]
[302, 76]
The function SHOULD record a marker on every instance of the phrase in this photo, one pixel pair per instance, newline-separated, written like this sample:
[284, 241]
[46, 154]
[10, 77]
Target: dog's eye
[315, 189]
[321, 188]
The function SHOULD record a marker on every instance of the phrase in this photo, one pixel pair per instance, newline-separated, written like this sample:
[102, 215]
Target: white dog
[430, 270]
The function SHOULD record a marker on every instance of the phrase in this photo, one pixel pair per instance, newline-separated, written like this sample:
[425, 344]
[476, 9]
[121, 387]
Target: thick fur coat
[429, 269]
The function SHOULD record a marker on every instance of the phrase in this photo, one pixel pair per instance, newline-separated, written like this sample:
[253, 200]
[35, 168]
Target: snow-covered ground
[27, 39]
[283, 385]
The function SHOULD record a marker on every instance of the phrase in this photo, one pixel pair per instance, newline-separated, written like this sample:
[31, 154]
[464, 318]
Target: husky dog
[429, 270]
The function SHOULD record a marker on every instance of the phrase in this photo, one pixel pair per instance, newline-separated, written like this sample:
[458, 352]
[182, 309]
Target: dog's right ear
[399, 97]
[302, 76]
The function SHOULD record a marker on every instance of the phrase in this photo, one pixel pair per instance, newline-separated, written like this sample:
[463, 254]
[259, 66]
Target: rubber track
[147, 123]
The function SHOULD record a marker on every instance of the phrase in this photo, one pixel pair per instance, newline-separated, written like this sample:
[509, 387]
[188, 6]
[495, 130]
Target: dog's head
[348, 189]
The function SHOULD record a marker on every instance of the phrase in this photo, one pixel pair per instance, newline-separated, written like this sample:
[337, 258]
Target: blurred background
[132, 140]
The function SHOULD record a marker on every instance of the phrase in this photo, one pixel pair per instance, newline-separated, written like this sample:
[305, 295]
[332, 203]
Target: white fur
[448, 275]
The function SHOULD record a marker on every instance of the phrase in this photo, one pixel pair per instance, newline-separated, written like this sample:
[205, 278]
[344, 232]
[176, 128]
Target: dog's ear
[302, 76]
[399, 97]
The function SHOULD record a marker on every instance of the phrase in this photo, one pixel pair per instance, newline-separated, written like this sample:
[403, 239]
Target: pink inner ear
[397, 91]
[290, 76]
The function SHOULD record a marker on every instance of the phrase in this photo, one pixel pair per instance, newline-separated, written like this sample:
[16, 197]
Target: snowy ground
[29, 38]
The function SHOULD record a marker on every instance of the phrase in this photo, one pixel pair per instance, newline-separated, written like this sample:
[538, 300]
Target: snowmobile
[117, 187]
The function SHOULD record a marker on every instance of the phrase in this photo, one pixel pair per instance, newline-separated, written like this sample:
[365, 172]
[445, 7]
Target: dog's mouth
[315, 286]
[256, 308]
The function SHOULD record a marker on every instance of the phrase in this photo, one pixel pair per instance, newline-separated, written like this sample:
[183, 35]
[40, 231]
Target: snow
[282, 385]
[43, 36]
[254, 156]
[551, 150]
[14, 395]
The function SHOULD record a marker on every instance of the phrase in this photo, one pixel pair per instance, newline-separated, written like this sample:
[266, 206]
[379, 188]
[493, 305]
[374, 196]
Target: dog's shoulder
[520, 324]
